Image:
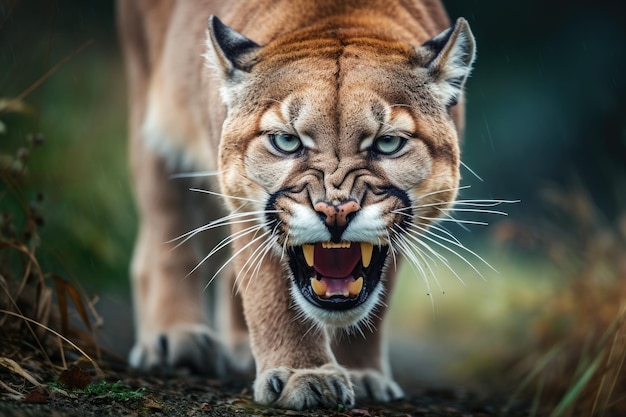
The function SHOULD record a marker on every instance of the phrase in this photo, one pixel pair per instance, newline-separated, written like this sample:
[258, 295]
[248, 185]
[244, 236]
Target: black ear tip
[214, 23]
[231, 45]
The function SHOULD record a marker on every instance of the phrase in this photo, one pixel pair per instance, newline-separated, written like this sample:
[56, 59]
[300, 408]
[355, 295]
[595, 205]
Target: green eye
[388, 145]
[286, 143]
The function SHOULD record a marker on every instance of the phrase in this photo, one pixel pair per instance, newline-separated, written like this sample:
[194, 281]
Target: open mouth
[337, 276]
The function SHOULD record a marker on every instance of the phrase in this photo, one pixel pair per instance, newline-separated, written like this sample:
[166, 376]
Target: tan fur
[336, 74]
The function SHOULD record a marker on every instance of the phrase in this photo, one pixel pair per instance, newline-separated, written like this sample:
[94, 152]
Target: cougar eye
[388, 144]
[285, 143]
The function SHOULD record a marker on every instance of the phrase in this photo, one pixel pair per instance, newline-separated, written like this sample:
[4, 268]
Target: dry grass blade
[610, 381]
[64, 288]
[534, 373]
[13, 303]
[13, 394]
[14, 367]
[51, 71]
[586, 318]
[65, 339]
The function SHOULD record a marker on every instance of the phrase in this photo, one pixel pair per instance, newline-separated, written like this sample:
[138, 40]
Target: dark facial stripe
[440, 151]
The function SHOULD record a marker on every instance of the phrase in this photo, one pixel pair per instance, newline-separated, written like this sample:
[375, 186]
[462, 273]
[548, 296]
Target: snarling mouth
[337, 276]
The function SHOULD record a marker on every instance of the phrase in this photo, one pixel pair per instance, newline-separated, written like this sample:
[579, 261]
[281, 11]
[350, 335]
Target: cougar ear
[453, 52]
[228, 51]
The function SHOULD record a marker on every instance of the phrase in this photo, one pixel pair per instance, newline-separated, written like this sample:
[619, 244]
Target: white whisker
[284, 247]
[474, 210]
[256, 255]
[485, 203]
[194, 174]
[201, 229]
[232, 237]
[268, 244]
[439, 256]
[222, 221]
[445, 232]
[417, 268]
[464, 165]
[253, 264]
[314, 325]
[229, 259]
[409, 247]
[451, 219]
[200, 190]
[431, 194]
[447, 190]
[413, 261]
[460, 224]
[401, 213]
[357, 327]
[461, 246]
[428, 272]
[471, 203]
[393, 252]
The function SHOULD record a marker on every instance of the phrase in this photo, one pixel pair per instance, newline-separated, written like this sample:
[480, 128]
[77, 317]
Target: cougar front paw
[372, 385]
[193, 347]
[299, 389]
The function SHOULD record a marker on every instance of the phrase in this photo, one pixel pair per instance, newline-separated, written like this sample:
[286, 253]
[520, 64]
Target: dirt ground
[121, 392]
[195, 397]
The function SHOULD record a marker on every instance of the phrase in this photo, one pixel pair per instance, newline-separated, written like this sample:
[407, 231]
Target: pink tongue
[336, 263]
[337, 286]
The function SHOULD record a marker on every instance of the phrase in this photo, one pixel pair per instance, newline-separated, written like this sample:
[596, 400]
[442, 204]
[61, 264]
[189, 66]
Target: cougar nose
[337, 216]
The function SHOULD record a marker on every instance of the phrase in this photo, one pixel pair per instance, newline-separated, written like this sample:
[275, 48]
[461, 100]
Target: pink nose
[337, 215]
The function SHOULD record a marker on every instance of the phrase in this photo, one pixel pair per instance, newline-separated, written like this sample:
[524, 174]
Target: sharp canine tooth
[319, 287]
[309, 251]
[366, 253]
[354, 288]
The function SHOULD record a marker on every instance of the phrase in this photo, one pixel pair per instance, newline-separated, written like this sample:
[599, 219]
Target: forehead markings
[401, 120]
[390, 120]
[272, 120]
[282, 118]
[433, 136]
[376, 116]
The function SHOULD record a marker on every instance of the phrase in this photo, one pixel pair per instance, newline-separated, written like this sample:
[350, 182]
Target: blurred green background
[546, 110]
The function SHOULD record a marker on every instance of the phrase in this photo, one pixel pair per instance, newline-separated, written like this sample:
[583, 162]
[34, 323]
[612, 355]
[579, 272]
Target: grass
[83, 175]
[114, 391]
[35, 304]
[576, 364]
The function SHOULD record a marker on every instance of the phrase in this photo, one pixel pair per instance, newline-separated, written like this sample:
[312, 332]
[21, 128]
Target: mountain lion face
[336, 146]
[347, 152]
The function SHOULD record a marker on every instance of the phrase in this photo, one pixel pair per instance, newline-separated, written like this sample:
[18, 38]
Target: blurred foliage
[61, 59]
[31, 312]
[576, 364]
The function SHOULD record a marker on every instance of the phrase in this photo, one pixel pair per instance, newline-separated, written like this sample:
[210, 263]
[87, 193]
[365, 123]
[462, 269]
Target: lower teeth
[321, 288]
